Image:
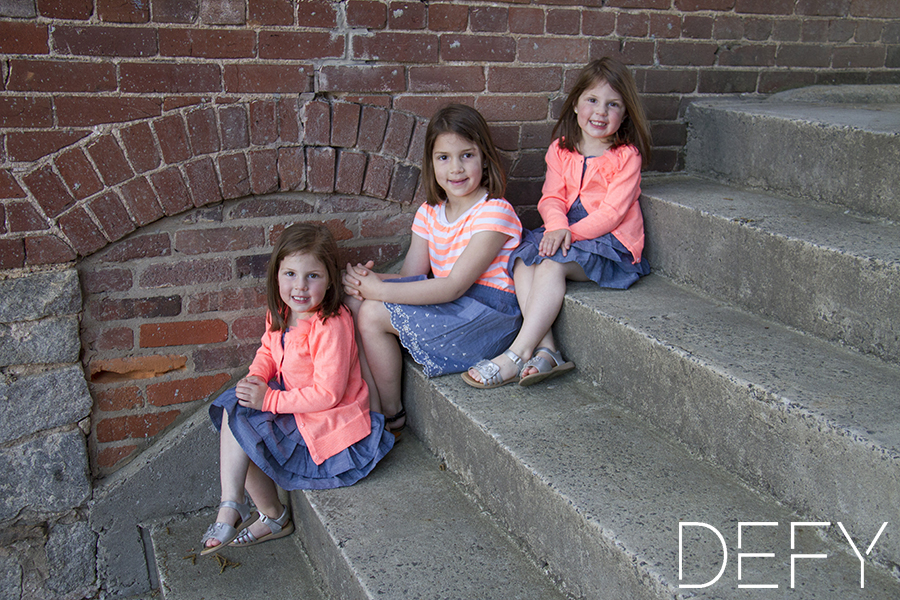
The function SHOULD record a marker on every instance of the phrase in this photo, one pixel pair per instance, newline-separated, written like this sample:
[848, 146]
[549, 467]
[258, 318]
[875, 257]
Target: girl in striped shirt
[463, 236]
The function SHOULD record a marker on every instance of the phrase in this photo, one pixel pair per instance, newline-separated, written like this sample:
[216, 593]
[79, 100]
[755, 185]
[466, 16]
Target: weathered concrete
[811, 266]
[837, 152]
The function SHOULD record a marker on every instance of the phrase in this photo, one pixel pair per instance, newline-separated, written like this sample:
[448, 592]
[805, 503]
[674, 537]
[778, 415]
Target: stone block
[41, 401]
[39, 295]
[71, 555]
[48, 341]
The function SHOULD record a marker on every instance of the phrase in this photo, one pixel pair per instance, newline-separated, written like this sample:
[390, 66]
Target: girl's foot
[396, 423]
[500, 371]
[222, 532]
[544, 364]
[266, 529]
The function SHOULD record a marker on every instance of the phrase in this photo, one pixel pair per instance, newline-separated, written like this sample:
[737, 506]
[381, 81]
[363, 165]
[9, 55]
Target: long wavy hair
[635, 129]
[304, 238]
[467, 123]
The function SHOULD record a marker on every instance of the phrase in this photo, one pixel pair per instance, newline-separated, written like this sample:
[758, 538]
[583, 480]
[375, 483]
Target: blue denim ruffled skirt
[275, 445]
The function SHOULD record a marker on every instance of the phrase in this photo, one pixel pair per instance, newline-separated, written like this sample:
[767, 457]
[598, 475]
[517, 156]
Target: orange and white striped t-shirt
[446, 241]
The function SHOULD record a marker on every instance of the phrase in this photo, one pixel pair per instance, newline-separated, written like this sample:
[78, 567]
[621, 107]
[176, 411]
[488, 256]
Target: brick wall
[160, 145]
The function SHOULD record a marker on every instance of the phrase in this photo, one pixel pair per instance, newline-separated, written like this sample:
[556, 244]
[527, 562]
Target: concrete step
[836, 144]
[815, 425]
[409, 531]
[808, 265]
[278, 570]
[597, 495]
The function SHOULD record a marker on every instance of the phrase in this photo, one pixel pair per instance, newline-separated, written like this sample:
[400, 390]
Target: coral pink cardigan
[325, 390]
[609, 193]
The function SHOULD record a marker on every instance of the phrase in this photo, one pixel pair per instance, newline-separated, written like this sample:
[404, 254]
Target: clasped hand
[360, 282]
[251, 391]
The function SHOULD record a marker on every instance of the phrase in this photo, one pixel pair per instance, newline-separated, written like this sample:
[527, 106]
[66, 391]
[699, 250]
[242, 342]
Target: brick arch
[85, 196]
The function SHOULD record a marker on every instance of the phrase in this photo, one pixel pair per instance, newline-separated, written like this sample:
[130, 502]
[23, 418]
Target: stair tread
[276, 569]
[824, 225]
[631, 484]
[848, 390]
[408, 531]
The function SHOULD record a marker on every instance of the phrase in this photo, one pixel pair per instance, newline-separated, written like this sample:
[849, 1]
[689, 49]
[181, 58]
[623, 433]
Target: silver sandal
[278, 528]
[225, 533]
[546, 369]
[490, 372]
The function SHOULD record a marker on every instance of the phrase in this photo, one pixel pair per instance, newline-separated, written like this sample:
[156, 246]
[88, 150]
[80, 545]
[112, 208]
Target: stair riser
[850, 167]
[814, 469]
[573, 548]
[834, 296]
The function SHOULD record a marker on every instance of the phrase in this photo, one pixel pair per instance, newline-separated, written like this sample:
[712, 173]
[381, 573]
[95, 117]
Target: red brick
[316, 13]
[447, 17]
[518, 79]
[249, 327]
[33, 145]
[173, 140]
[109, 309]
[175, 11]
[381, 227]
[403, 183]
[151, 245]
[23, 216]
[884, 9]
[117, 338]
[372, 125]
[203, 182]
[78, 173]
[573, 50]
[598, 23]
[407, 15]
[664, 26]
[344, 124]
[116, 399]
[368, 14]
[417, 142]
[140, 147]
[116, 11]
[318, 123]
[84, 235]
[203, 131]
[191, 272]
[171, 191]
[640, 4]
[380, 253]
[9, 187]
[141, 201]
[111, 456]
[224, 357]
[79, 111]
[320, 163]
[660, 81]
[47, 250]
[633, 24]
[249, 78]
[134, 367]
[398, 135]
[105, 280]
[218, 239]
[263, 171]
[687, 53]
[110, 160]
[696, 5]
[222, 12]
[113, 217]
[169, 78]
[289, 119]
[513, 108]
[52, 76]
[185, 390]
[841, 30]
[234, 175]
[376, 79]
[757, 29]
[762, 55]
[446, 79]
[396, 47]
[232, 299]
[351, 169]
[475, 48]
[26, 112]
[270, 12]
[765, 7]
[233, 127]
[718, 81]
[378, 177]
[263, 126]
[426, 105]
[104, 41]
[49, 191]
[697, 27]
[76, 10]
[12, 254]
[493, 19]
[855, 57]
[182, 333]
[23, 38]
[289, 45]
[564, 21]
[803, 55]
[207, 43]
[134, 426]
[291, 168]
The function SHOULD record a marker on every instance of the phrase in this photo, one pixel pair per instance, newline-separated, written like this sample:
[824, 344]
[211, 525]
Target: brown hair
[467, 123]
[304, 238]
[634, 130]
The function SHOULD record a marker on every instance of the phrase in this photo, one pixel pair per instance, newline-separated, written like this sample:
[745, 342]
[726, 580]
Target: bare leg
[265, 496]
[385, 360]
[233, 464]
[374, 399]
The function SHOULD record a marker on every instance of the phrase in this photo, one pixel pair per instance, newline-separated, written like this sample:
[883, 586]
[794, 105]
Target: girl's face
[458, 166]
[302, 283]
[600, 111]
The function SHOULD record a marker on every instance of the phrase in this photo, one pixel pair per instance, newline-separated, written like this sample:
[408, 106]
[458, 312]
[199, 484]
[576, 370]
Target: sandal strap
[515, 358]
[396, 417]
[556, 355]
[242, 508]
[221, 532]
[274, 525]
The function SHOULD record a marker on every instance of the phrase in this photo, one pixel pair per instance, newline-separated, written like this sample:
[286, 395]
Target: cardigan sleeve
[331, 347]
[552, 205]
[608, 207]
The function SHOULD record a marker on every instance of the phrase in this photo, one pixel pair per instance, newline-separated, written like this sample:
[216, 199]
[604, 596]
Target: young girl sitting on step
[300, 419]
[593, 229]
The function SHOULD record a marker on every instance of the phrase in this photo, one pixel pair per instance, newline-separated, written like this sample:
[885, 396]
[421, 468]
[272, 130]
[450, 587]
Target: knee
[369, 316]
